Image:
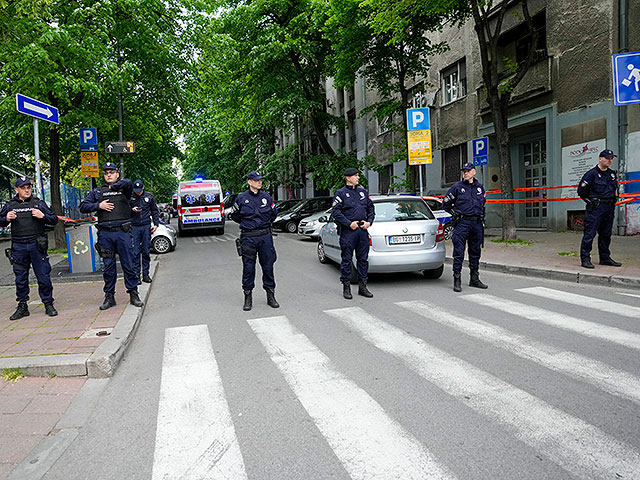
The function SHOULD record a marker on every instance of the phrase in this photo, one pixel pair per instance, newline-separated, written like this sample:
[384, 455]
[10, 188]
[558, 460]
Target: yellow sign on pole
[419, 144]
[89, 164]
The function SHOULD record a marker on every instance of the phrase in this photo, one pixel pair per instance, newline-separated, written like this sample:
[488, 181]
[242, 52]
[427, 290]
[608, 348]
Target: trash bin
[83, 257]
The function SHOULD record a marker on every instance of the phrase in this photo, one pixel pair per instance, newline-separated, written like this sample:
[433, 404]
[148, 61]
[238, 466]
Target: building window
[351, 121]
[417, 97]
[384, 180]
[454, 82]
[452, 159]
[516, 42]
[384, 125]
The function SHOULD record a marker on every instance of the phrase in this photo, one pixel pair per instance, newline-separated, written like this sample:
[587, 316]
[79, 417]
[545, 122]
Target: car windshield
[393, 210]
[200, 198]
[287, 205]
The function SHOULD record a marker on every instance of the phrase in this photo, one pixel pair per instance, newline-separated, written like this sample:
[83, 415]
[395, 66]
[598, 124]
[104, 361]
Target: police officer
[255, 211]
[354, 213]
[465, 202]
[112, 202]
[144, 209]
[599, 189]
[28, 216]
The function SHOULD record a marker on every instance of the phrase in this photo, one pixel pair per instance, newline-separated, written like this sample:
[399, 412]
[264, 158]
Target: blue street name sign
[626, 78]
[418, 119]
[480, 147]
[36, 109]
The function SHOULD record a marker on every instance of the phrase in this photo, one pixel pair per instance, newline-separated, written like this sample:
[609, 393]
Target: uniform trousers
[25, 255]
[471, 232]
[599, 220]
[354, 240]
[262, 248]
[121, 243]
[141, 246]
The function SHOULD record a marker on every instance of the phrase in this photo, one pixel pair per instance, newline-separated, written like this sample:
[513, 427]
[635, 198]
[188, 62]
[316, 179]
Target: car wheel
[161, 244]
[433, 274]
[291, 227]
[322, 255]
[448, 231]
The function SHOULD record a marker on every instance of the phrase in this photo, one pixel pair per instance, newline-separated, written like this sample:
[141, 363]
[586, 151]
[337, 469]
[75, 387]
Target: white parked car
[404, 237]
[311, 225]
[164, 239]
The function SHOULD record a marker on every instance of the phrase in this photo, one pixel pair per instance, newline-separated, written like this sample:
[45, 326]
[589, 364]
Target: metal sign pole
[36, 144]
[420, 169]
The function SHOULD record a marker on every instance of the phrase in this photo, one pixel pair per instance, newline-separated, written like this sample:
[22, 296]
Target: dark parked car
[289, 220]
[286, 205]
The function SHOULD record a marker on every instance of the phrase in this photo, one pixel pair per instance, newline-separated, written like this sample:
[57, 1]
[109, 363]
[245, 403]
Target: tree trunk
[56, 202]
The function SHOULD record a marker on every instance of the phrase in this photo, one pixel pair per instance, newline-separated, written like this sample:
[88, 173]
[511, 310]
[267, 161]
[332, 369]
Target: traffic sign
[626, 78]
[89, 164]
[36, 109]
[480, 147]
[119, 147]
[419, 143]
[88, 136]
[418, 119]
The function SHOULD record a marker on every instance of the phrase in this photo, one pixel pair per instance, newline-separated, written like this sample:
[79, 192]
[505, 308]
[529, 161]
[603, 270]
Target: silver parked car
[164, 239]
[310, 226]
[404, 237]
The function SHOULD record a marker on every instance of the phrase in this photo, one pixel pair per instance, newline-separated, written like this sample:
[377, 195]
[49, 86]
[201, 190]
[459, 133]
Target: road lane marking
[583, 301]
[629, 294]
[614, 381]
[195, 436]
[572, 443]
[201, 240]
[558, 320]
[369, 443]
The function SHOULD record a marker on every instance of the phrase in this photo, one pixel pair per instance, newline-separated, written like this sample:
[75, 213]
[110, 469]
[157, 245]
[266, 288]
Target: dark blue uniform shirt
[147, 203]
[352, 204]
[598, 184]
[253, 211]
[465, 198]
[91, 202]
[50, 218]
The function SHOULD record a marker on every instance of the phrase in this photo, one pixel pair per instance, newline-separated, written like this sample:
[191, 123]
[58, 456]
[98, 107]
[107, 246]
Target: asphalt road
[418, 382]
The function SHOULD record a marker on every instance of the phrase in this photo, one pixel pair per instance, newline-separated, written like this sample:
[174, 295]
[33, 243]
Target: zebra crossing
[196, 438]
[227, 237]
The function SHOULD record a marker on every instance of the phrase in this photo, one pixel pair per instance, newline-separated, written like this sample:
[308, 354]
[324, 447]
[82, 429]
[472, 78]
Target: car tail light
[440, 233]
[370, 240]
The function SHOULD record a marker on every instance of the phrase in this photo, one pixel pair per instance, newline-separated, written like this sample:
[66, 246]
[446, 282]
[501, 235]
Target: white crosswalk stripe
[609, 379]
[195, 436]
[584, 301]
[369, 443]
[228, 237]
[580, 448]
[629, 294]
[558, 320]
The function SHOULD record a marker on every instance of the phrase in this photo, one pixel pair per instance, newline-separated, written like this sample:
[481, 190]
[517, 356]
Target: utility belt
[125, 227]
[42, 244]
[254, 233]
[472, 218]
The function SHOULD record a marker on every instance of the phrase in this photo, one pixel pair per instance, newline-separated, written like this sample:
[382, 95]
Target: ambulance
[200, 206]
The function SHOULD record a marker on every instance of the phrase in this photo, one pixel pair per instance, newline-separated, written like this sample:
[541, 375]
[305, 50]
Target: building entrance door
[533, 156]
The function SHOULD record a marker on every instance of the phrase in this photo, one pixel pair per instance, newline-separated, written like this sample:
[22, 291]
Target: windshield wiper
[403, 219]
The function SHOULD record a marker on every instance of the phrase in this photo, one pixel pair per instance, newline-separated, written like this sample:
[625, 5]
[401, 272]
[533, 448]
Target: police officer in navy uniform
[353, 211]
[112, 202]
[28, 215]
[255, 211]
[465, 202]
[144, 209]
[599, 189]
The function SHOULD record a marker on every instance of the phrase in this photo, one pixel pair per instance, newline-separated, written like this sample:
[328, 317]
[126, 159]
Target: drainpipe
[623, 46]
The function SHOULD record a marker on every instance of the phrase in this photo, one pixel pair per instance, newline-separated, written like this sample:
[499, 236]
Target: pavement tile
[25, 386]
[13, 403]
[48, 404]
[19, 448]
[63, 386]
[6, 469]
[28, 423]
[73, 350]
[56, 346]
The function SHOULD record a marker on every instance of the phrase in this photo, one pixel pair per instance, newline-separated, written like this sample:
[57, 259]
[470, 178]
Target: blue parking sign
[626, 78]
[88, 136]
[418, 119]
[480, 147]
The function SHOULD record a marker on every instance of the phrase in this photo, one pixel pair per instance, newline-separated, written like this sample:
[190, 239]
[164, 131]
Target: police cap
[253, 175]
[109, 166]
[468, 166]
[350, 172]
[22, 180]
[607, 154]
[138, 186]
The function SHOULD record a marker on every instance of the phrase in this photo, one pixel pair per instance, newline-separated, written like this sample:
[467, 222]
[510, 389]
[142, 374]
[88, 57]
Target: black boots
[21, 311]
[50, 310]
[248, 301]
[362, 290]
[586, 263]
[475, 281]
[457, 283]
[109, 301]
[346, 291]
[271, 298]
[146, 278]
[134, 299]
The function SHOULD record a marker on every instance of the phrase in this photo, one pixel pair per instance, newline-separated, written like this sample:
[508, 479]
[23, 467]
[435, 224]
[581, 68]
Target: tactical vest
[25, 225]
[122, 209]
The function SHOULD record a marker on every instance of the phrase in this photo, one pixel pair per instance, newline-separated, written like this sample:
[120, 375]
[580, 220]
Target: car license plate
[398, 239]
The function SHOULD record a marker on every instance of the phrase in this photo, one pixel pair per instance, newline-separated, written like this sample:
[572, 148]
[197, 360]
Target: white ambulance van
[200, 206]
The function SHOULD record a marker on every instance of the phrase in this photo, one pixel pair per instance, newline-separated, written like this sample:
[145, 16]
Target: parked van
[200, 205]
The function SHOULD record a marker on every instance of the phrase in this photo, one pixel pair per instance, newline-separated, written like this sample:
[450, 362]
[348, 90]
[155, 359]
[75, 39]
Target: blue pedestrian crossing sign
[36, 109]
[626, 78]
[480, 147]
